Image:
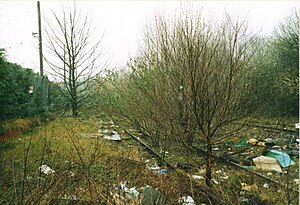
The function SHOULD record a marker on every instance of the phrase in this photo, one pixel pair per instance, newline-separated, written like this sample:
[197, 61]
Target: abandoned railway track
[221, 159]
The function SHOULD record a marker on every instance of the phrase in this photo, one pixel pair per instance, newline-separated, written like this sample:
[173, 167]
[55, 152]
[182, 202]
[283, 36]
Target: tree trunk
[208, 162]
[74, 108]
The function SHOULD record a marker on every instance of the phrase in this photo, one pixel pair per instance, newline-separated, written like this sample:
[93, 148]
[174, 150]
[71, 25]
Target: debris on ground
[154, 168]
[162, 171]
[249, 188]
[266, 185]
[152, 197]
[186, 200]
[132, 191]
[242, 143]
[106, 131]
[267, 163]
[215, 181]
[115, 136]
[197, 177]
[252, 141]
[46, 169]
[282, 157]
[158, 170]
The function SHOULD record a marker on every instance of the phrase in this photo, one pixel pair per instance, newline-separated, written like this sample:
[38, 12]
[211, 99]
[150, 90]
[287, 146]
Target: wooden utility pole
[40, 39]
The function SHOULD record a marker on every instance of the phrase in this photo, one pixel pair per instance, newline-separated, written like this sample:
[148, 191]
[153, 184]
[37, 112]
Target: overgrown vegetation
[196, 90]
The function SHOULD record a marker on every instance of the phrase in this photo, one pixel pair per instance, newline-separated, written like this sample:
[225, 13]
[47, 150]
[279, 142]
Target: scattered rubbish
[154, 167]
[133, 192]
[262, 144]
[158, 169]
[252, 141]
[224, 177]
[297, 125]
[123, 187]
[219, 171]
[282, 157]
[249, 188]
[104, 131]
[216, 149]
[266, 185]
[241, 143]
[46, 169]
[186, 200]
[152, 197]
[296, 181]
[88, 135]
[269, 173]
[215, 181]
[197, 177]
[267, 163]
[115, 136]
[202, 171]
[162, 171]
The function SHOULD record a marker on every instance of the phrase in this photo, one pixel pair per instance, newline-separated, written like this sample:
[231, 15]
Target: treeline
[16, 99]
[272, 70]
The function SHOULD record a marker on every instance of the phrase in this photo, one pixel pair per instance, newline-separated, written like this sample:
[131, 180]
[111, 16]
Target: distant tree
[75, 53]
[285, 47]
[15, 100]
[277, 63]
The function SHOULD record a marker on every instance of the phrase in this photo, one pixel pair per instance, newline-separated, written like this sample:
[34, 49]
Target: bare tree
[192, 81]
[75, 51]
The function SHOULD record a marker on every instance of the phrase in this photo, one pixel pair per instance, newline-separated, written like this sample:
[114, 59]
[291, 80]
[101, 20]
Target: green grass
[92, 168]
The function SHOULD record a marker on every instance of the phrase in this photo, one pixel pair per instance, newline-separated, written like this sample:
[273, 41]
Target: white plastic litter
[224, 177]
[197, 177]
[115, 136]
[104, 131]
[123, 187]
[215, 181]
[133, 192]
[154, 167]
[266, 185]
[46, 169]
[187, 200]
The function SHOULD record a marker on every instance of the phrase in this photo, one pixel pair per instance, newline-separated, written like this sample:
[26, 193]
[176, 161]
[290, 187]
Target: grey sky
[123, 23]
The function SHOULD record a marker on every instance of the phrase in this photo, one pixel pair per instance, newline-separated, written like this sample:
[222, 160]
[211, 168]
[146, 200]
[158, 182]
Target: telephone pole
[40, 39]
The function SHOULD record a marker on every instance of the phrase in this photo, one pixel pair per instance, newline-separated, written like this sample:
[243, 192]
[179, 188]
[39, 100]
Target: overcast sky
[123, 23]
